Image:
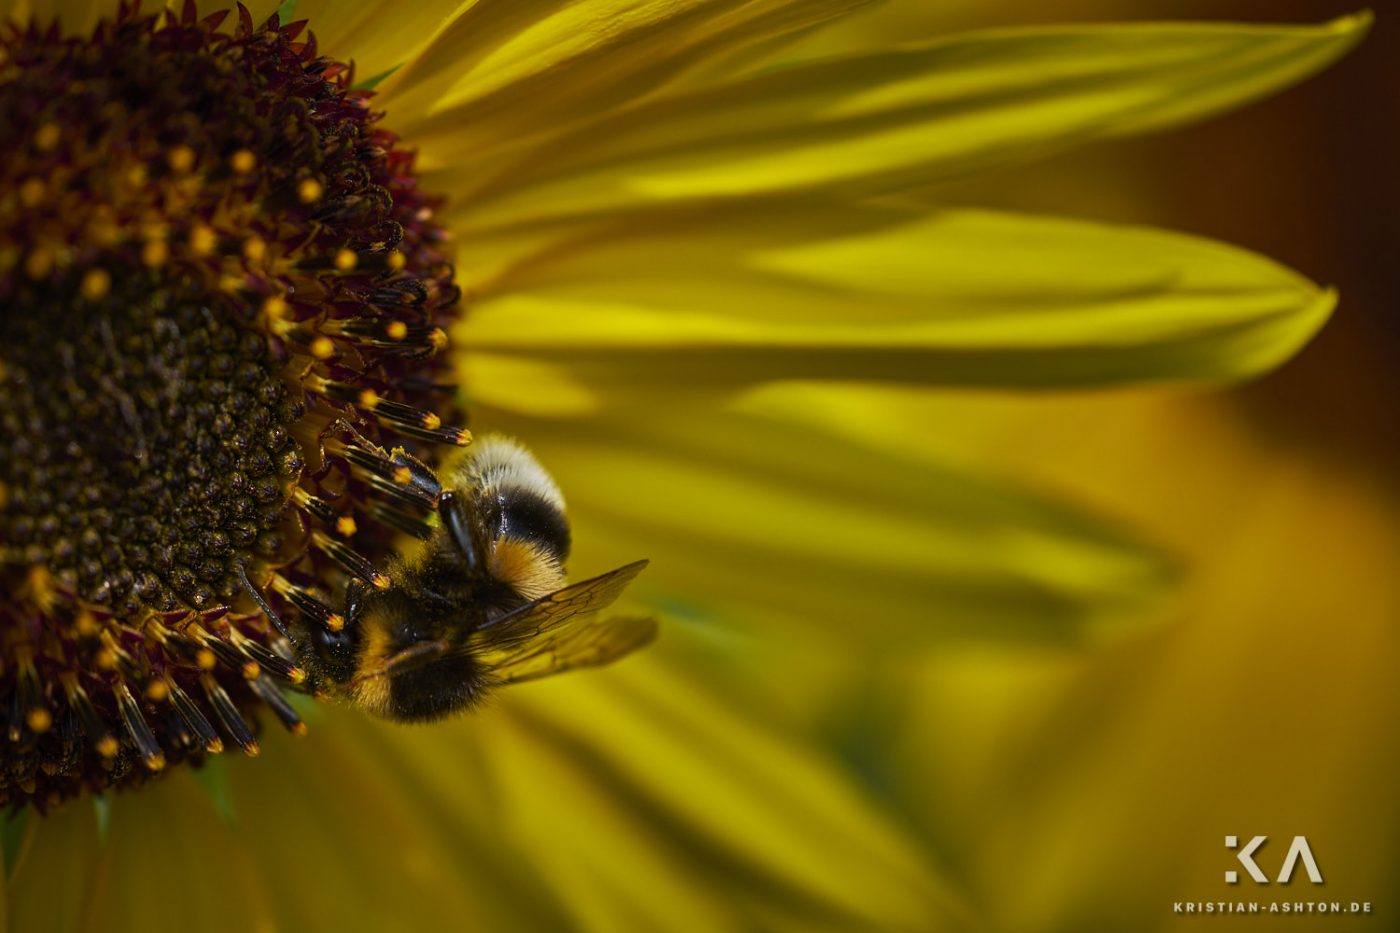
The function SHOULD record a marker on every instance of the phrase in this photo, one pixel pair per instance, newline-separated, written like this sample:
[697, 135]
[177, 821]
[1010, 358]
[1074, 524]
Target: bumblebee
[481, 604]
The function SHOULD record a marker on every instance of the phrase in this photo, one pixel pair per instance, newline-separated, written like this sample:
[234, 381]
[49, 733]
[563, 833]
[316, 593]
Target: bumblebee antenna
[272, 617]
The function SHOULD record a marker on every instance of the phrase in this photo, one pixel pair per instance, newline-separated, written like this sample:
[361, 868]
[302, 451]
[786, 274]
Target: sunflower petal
[794, 532]
[308, 851]
[631, 804]
[376, 35]
[726, 299]
[505, 71]
[679, 796]
[890, 119]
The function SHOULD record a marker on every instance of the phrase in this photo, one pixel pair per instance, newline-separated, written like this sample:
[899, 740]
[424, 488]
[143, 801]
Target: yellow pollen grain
[403, 475]
[298, 729]
[345, 260]
[106, 659]
[323, 348]
[181, 159]
[156, 762]
[102, 230]
[369, 399]
[438, 339]
[335, 622]
[203, 239]
[215, 747]
[397, 260]
[345, 525]
[250, 671]
[157, 691]
[31, 192]
[397, 330]
[381, 582]
[136, 176]
[296, 675]
[243, 161]
[205, 659]
[431, 421]
[275, 307]
[38, 720]
[155, 253]
[46, 139]
[96, 283]
[107, 746]
[86, 624]
[39, 263]
[309, 191]
[254, 249]
[251, 749]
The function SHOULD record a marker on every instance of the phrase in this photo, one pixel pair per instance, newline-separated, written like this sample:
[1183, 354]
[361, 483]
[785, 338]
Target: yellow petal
[377, 35]
[505, 71]
[890, 119]
[601, 802]
[719, 300]
[61, 864]
[1269, 704]
[763, 525]
[686, 813]
[325, 836]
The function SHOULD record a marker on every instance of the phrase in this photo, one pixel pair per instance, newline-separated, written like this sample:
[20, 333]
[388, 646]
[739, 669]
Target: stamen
[233, 722]
[138, 729]
[416, 525]
[99, 734]
[225, 653]
[267, 659]
[277, 702]
[204, 733]
[322, 510]
[307, 603]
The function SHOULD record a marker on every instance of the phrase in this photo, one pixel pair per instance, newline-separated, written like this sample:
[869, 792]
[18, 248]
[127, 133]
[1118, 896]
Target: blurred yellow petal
[377, 35]
[1269, 707]
[893, 119]
[570, 61]
[631, 797]
[719, 300]
[761, 523]
[792, 841]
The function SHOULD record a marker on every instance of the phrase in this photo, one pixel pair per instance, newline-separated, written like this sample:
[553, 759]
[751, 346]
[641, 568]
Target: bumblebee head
[406, 662]
[504, 514]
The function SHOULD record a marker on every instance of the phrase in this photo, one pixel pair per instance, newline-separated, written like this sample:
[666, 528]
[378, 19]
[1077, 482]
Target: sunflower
[259, 265]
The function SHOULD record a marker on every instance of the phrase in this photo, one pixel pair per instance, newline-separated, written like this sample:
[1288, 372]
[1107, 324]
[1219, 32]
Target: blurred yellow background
[1091, 789]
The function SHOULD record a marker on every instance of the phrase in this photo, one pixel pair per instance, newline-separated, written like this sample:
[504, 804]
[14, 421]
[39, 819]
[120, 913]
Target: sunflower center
[222, 296]
[141, 479]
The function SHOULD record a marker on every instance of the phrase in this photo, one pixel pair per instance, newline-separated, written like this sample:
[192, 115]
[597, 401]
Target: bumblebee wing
[586, 642]
[559, 608]
[559, 631]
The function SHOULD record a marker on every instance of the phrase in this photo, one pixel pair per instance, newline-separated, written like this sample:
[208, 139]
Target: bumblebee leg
[272, 616]
[453, 511]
